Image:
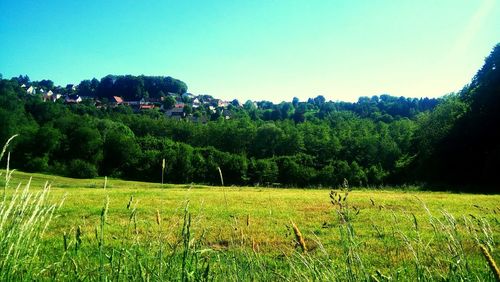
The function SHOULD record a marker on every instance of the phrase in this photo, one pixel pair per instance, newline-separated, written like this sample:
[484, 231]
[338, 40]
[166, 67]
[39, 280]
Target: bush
[81, 169]
[265, 171]
[375, 175]
[37, 164]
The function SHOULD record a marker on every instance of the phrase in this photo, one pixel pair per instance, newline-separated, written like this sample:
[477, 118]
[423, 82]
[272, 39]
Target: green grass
[243, 233]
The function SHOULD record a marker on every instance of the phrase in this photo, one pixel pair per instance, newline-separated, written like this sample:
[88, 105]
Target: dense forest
[447, 143]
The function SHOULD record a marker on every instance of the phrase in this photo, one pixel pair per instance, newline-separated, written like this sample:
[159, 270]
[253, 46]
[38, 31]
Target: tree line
[451, 142]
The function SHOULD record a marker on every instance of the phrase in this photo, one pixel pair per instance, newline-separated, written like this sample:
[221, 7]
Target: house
[226, 114]
[187, 96]
[196, 103]
[205, 99]
[219, 103]
[47, 96]
[179, 105]
[31, 90]
[146, 106]
[132, 103]
[56, 97]
[117, 100]
[223, 104]
[72, 99]
[98, 103]
[154, 100]
[175, 113]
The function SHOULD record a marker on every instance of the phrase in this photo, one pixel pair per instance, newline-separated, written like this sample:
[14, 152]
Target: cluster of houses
[49, 95]
[178, 110]
[46, 95]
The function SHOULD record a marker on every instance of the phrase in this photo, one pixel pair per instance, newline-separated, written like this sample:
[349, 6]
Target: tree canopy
[452, 142]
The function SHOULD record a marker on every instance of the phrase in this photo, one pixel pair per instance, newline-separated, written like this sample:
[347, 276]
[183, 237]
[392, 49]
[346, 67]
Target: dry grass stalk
[491, 262]
[158, 218]
[255, 246]
[299, 237]
[222, 183]
[7, 145]
[221, 178]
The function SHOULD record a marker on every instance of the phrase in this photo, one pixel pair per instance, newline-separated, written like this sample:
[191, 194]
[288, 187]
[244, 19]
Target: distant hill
[125, 126]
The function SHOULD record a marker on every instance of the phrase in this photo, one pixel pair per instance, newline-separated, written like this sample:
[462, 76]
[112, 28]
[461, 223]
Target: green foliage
[264, 171]
[374, 141]
[168, 102]
[134, 88]
[115, 142]
[458, 142]
[470, 153]
[80, 169]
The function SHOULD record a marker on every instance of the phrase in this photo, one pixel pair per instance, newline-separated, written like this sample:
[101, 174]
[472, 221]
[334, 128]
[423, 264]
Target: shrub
[81, 169]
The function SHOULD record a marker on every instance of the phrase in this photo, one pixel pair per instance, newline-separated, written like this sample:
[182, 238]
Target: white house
[72, 99]
[47, 96]
[31, 90]
[56, 97]
[196, 103]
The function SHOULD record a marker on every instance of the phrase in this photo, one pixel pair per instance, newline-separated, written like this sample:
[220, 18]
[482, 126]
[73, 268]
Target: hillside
[127, 125]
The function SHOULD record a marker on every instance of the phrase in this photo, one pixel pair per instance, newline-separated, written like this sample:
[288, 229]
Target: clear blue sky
[269, 49]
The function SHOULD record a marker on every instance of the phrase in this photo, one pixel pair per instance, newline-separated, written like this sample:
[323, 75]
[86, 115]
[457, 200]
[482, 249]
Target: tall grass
[148, 255]
[24, 218]
[441, 247]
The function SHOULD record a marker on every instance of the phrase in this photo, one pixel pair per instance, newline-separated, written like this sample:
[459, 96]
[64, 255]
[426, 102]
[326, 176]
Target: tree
[46, 84]
[130, 87]
[319, 100]
[23, 80]
[286, 109]
[85, 143]
[249, 105]
[375, 175]
[265, 171]
[94, 83]
[120, 150]
[168, 102]
[267, 141]
[85, 88]
[187, 109]
[106, 87]
[235, 103]
[296, 170]
[81, 169]
[432, 130]
[470, 153]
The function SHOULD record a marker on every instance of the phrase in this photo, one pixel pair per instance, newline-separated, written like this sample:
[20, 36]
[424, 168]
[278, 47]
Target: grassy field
[148, 231]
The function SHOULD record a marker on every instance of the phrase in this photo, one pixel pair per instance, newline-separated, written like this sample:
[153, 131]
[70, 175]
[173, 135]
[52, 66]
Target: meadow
[110, 229]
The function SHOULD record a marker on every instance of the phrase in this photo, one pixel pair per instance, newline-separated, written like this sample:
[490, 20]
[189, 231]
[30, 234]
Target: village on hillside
[172, 105]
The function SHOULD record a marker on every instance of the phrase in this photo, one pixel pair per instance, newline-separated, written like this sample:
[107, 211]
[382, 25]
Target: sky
[259, 50]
